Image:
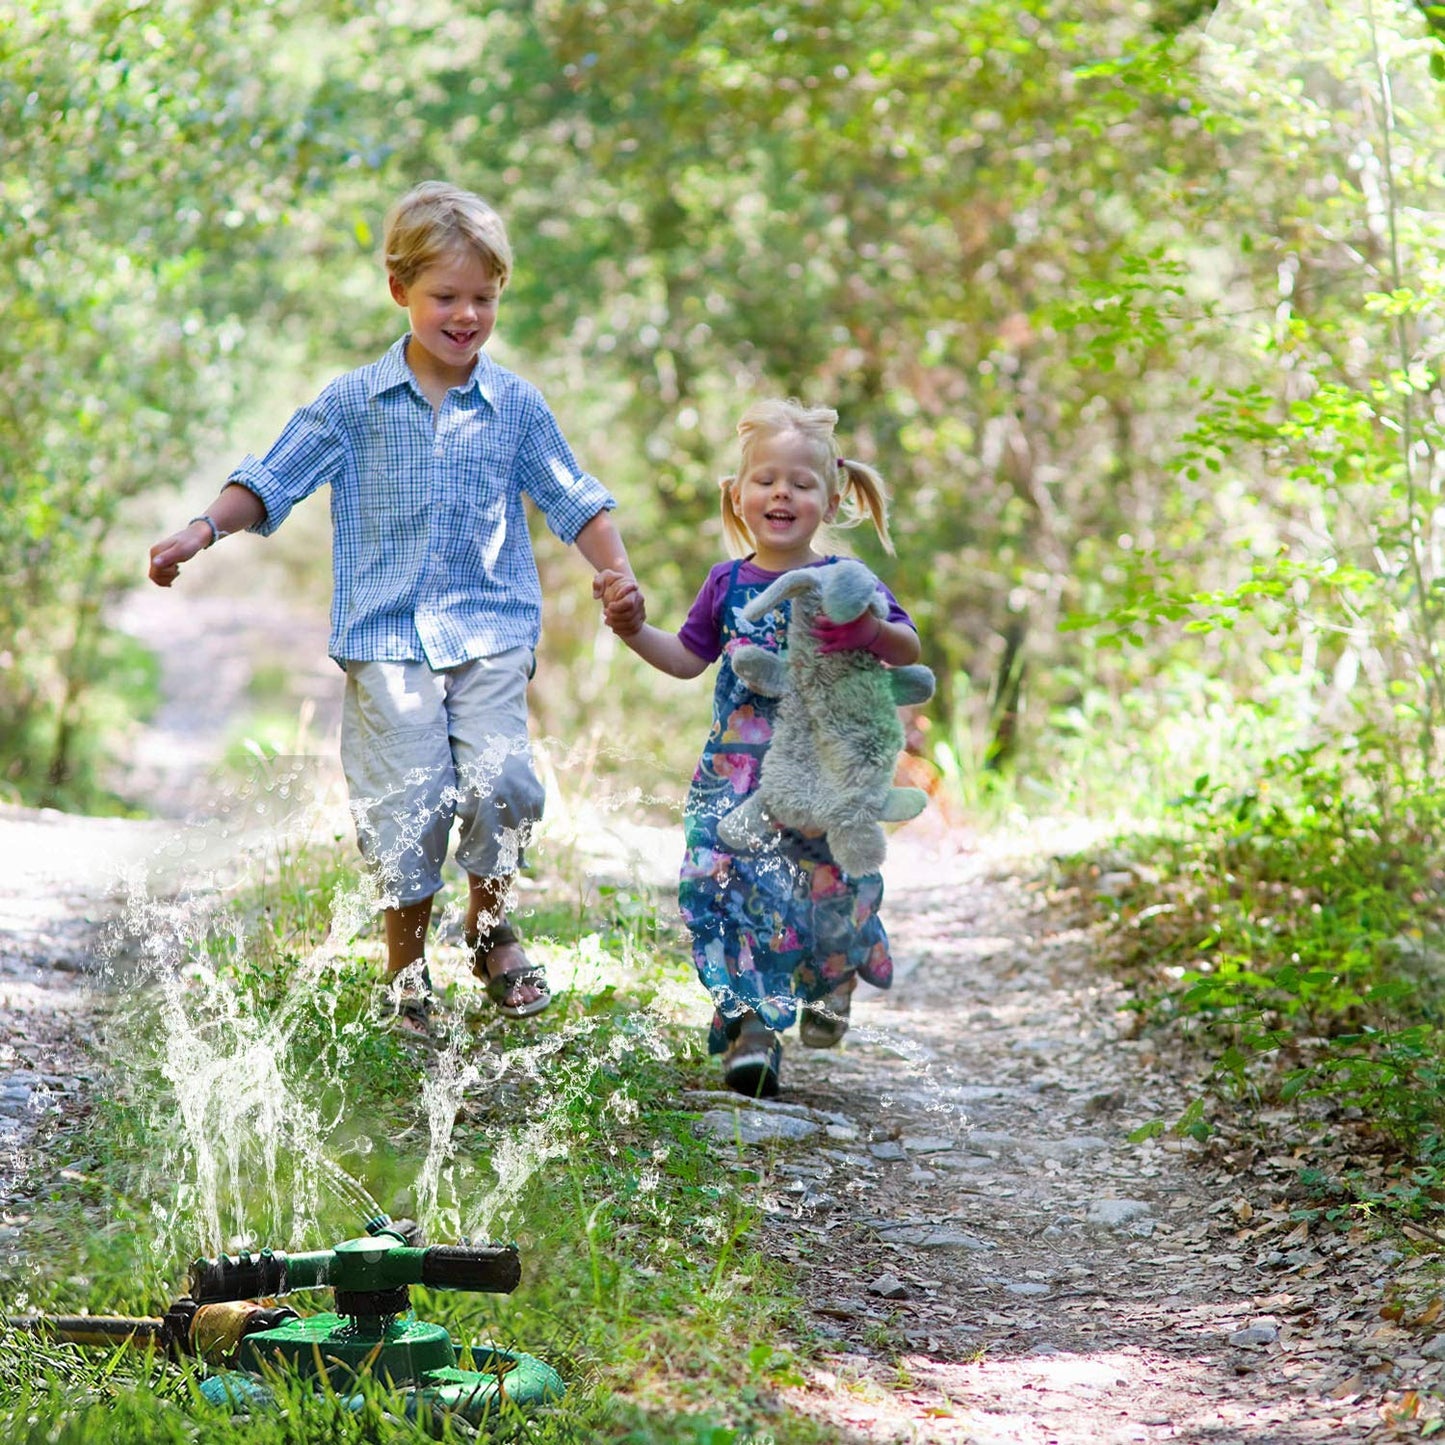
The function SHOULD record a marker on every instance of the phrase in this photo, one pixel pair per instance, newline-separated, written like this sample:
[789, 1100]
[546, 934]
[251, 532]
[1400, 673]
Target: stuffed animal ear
[849, 590]
[790, 584]
[911, 684]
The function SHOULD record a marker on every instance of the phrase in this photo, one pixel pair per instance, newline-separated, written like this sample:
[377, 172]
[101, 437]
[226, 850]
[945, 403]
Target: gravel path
[989, 1259]
[992, 1262]
[60, 878]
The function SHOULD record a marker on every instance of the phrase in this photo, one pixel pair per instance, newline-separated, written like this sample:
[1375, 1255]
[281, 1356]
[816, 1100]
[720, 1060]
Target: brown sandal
[499, 986]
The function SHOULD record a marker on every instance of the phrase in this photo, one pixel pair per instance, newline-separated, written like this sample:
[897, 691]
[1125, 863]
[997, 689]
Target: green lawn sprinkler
[372, 1331]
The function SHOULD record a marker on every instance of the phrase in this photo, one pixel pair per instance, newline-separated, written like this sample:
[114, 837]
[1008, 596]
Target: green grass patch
[257, 1101]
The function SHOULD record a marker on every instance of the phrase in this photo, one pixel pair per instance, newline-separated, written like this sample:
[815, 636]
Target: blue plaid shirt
[431, 558]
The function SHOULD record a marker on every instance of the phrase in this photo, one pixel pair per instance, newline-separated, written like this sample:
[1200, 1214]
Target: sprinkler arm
[371, 1265]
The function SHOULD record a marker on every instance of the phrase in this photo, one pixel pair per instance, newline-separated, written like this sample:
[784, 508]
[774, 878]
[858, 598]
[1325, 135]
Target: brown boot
[754, 1060]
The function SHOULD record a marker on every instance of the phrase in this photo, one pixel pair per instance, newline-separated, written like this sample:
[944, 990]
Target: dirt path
[989, 1259]
[59, 880]
[996, 1264]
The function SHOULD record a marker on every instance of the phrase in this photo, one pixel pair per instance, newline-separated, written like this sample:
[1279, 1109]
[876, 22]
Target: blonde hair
[858, 487]
[435, 219]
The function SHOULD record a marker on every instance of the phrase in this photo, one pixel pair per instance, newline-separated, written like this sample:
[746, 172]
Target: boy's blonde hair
[860, 488]
[435, 219]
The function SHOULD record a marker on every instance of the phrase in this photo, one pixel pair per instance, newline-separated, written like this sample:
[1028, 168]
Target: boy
[436, 610]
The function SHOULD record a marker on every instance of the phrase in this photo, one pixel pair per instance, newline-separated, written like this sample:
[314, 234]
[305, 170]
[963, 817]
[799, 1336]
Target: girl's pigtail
[869, 498]
[739, 539]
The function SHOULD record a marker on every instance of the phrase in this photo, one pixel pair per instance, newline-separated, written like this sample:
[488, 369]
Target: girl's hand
[623, 607]
[860, 634]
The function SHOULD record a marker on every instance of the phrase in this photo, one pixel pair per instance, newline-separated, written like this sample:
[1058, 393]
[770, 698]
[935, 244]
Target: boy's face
[453, 308]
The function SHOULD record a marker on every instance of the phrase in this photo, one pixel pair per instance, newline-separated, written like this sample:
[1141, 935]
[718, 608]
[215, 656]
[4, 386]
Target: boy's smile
[452, 305]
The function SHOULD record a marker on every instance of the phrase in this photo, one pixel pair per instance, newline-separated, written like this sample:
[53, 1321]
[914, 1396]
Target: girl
[784, 927]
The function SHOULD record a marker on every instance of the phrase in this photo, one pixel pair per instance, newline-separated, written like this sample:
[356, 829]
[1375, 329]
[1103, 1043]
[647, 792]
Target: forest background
[1135, 304]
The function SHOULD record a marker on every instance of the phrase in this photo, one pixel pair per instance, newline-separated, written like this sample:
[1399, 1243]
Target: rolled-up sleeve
[309, 453]
[549, 474]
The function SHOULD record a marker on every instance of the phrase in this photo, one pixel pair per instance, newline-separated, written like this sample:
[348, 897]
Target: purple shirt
[701, 634]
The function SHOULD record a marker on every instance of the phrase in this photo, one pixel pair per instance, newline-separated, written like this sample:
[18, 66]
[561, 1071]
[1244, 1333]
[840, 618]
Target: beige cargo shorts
[424, 749]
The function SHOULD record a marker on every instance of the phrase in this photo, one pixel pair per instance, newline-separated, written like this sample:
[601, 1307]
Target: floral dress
[783, 926]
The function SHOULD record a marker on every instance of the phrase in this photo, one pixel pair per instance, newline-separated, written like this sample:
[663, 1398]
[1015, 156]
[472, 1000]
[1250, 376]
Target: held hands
[862, 633]
[623, 608]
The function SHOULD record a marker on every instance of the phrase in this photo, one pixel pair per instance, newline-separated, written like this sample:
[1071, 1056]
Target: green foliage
[1295, 929]
[871, 209]
[153, 157]
[1137, 320]
[1296, 934]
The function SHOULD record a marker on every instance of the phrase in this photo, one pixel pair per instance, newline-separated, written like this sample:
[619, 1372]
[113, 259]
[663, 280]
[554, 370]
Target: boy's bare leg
[486, 908]
[405, 929]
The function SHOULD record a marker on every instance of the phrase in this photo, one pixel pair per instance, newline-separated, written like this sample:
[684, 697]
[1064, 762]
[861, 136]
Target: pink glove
[862, 633]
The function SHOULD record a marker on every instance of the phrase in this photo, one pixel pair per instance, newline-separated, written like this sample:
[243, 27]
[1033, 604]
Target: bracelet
[216, 532]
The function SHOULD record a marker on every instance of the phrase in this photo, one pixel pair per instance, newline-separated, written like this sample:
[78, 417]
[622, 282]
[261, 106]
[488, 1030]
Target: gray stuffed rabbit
[838, 735]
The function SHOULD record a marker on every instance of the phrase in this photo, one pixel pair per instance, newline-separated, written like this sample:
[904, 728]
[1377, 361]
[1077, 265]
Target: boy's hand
[623, 607]
[861, 633]
[167, 556]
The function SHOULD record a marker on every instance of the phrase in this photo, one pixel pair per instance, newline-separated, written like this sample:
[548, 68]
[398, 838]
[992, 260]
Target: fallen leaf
[1407, 1407]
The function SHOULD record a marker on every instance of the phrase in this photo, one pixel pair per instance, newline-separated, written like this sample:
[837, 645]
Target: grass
[1292, 931]
[254, 1100]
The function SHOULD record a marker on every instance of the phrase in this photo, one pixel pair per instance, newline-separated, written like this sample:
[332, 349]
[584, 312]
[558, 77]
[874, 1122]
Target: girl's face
[452, 305]
[783, 495]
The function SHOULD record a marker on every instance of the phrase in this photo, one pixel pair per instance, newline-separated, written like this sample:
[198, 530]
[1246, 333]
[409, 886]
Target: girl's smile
[783, 497]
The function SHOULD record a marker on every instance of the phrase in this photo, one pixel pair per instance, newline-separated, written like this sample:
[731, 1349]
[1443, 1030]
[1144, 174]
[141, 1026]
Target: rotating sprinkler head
[372, 1332]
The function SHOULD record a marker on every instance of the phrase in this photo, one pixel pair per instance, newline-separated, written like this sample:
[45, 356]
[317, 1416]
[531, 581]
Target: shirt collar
[392, 371]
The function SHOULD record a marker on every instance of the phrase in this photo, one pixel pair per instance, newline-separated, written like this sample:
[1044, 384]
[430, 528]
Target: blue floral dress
[784, 926]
